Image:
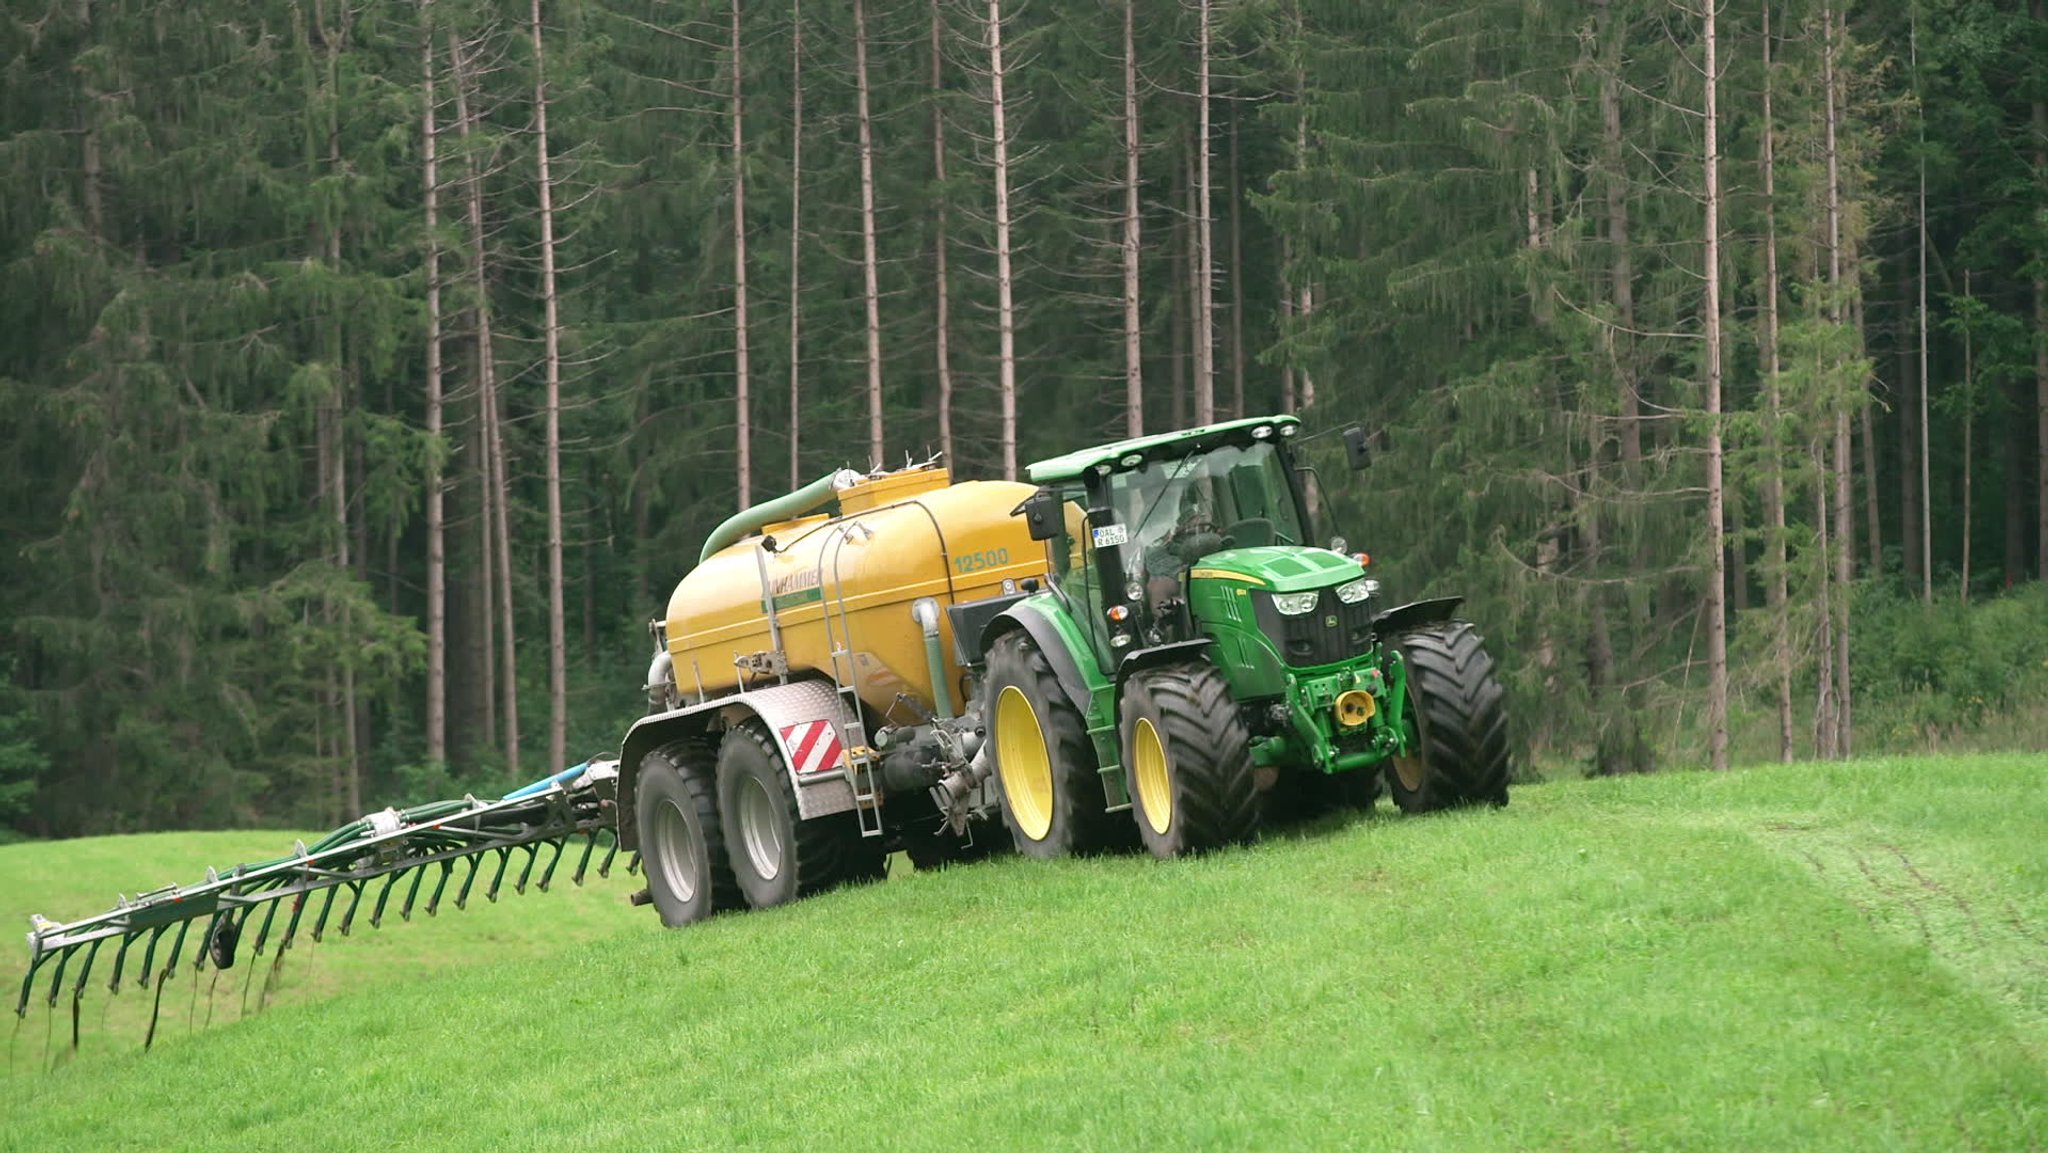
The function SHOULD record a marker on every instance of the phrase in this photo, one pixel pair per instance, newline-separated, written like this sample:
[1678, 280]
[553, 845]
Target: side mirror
[1355, 447]
[1041, 512]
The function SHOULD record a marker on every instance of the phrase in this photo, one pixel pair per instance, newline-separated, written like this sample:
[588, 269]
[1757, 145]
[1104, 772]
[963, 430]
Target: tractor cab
[1142, 529]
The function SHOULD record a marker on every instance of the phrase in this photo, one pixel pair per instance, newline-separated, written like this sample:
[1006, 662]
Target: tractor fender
[1175, 653]
[1408, 616]
[1046, 636]
[806, 719]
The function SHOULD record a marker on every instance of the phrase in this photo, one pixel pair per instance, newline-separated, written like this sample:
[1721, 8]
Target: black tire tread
[1461, 711]
[826, 851]
[686, 760]
[1216, 800]
[1086, 829]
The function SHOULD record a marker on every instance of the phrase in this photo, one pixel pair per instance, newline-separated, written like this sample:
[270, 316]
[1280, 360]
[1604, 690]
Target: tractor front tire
[1189, 759]
[777, 856]
[682, 849]
[1050, 780]
[1460, 754]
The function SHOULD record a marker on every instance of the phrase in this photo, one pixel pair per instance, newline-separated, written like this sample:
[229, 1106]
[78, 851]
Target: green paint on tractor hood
[1279, 568]
[1166, 445]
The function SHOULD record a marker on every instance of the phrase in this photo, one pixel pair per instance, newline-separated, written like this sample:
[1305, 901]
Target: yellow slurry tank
[897, 539]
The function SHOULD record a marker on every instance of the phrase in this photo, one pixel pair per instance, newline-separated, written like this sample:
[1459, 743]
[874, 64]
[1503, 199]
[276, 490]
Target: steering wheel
[1194, 526]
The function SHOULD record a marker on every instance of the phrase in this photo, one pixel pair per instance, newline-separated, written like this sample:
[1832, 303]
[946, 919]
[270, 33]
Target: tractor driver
[1187, 539]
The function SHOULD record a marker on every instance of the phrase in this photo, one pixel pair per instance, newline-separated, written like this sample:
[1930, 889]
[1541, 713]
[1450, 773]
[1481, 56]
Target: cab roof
[1162, 446]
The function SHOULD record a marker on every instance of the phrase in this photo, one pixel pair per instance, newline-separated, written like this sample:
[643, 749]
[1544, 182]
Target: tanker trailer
[814, 687]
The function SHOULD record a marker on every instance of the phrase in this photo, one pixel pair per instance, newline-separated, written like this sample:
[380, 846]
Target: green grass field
[1843, 957]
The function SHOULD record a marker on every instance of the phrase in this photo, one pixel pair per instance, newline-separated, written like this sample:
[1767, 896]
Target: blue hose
[545, 783]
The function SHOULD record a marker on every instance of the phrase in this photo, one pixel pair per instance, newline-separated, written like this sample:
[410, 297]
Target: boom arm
[577, 803]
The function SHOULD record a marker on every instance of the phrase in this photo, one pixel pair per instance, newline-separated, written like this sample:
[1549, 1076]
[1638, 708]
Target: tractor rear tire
[682, 849]
[1050, 780]
[1189, 759]
[1459, 711]
[776, 855]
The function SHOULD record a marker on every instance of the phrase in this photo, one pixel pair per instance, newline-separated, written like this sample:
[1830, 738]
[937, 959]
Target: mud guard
[806, 718]
[1429, 612]
[1046, 636]
[1138, 662]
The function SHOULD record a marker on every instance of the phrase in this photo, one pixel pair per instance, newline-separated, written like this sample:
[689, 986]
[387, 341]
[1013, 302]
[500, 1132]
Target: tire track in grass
[1981, 938]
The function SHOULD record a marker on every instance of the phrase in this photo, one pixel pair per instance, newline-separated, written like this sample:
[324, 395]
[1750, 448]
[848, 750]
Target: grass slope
[1817, 957]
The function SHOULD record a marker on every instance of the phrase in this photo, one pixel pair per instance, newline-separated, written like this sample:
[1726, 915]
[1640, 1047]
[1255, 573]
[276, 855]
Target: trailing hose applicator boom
[553, 811]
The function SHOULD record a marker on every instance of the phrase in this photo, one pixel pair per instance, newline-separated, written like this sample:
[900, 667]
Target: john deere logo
[1330, 622]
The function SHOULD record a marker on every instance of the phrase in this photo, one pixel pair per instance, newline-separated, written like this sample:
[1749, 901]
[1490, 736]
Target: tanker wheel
[776, 855]
[682, 848]
[1458, 752]
[1189, 759]
[1050, 780]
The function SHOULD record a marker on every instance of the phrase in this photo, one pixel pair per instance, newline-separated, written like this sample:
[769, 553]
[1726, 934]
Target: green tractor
[1192, 655]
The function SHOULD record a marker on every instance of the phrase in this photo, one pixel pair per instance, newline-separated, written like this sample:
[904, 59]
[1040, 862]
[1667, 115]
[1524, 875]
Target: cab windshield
[1181, 509]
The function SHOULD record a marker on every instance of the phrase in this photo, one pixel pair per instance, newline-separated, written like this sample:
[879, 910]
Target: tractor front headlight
[1357, 590]
[1295, 604]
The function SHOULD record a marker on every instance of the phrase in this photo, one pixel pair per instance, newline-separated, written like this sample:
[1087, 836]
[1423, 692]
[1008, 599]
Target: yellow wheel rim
[1409, 769]
[1025, 763]
[1148, 765]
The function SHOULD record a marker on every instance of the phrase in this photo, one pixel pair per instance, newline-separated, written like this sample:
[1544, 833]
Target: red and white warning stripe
[813, 746]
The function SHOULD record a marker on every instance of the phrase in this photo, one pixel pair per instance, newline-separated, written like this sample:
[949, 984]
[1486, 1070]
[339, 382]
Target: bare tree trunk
[1307, 310]
[1910, 511]
[2040, 13]
[1006, 318]
[1236, 276]
[1205, 250]
[1183, 299]
[1134, 368]
[1845, 549]
[1969, 429]
[1184, 406]
[485, 591]
[1738, 552]
[742, 374]
[590, 567]
[91, 165]
[437, 542]
[870, 272]
[1776, 594]
[796, 237]
[1305, 305]
[498, 491]
[2015, 488]
[1873, 524]
[1926, 521]
[943, 305]
[1286, 322]
[334, 39]
[558, 642]
[1826, 728]
[1717, 588]
[1620, 255]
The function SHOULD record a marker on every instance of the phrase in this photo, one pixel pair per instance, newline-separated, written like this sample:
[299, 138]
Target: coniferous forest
[371, 369]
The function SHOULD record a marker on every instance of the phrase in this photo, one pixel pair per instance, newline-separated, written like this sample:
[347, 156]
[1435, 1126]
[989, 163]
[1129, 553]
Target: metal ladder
[861, 760]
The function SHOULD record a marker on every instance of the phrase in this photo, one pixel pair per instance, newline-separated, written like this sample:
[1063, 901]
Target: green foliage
[1934, 674]
[22, 764]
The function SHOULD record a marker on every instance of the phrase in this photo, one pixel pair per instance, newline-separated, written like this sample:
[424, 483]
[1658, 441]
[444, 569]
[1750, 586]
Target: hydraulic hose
[821, 495]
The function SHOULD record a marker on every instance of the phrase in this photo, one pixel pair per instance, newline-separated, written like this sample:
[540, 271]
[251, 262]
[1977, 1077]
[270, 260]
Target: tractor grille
[1334, 632]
